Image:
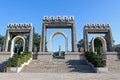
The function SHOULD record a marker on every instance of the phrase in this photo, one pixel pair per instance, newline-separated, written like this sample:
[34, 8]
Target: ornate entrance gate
[58, 22]
[15, 31]
[98, 29]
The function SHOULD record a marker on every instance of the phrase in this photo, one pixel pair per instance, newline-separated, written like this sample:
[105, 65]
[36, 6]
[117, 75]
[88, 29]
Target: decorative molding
[20, 26]
[58, 18]
[97, 26]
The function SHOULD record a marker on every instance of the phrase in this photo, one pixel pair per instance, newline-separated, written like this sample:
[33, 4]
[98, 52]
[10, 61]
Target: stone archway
[103, 43]
[13, 42]
[63, 34]
[64, 22]
[16, 29]
[98, 29]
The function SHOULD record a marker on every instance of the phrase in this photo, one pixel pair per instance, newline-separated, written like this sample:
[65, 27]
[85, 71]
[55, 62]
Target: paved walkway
[113, 66]
[60, 76]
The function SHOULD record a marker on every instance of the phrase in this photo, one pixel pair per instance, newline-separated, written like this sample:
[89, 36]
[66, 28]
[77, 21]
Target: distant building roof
[118, 45]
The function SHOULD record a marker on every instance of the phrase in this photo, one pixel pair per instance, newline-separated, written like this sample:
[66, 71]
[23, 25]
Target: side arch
[103, 43]
[63, 34]
[13, 42]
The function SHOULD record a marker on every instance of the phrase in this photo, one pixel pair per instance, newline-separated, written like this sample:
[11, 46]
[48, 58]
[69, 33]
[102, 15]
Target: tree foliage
[37, 39]
[98, 46]
[2, 40]
[80, 43]
[19, 46]
[46, 47]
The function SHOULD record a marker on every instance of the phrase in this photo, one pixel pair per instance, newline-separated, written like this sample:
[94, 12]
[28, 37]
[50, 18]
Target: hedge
[95, 59]
[17, 60]
[57, 53]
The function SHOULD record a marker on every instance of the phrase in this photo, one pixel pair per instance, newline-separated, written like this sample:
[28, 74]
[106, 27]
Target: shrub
[57, 53]
[62, 53]
[17, 60]
[13, 62]
[95, 59]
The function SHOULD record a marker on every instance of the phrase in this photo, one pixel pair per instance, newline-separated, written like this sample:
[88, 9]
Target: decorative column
[66, 44]
[41, 41]
[74, 42]
[43, 38]
[40, 49]
[31, 40]
[86, 44]
[6, 41]
[109, 40]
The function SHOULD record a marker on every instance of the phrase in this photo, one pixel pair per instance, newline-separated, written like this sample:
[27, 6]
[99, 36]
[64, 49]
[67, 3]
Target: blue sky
[85, 11]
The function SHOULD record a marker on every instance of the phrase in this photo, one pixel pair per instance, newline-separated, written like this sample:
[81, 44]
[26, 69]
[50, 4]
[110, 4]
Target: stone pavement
[59, 76]
[113, 66]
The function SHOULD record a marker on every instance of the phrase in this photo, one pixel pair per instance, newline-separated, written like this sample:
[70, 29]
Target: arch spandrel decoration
[13, 42]
[63, 34]
[103, 43]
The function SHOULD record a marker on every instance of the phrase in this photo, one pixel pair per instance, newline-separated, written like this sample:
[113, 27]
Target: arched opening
[61, 33]
[58, 43]
[65, 36]
[99, 45]
[18, 45]
[58, 46]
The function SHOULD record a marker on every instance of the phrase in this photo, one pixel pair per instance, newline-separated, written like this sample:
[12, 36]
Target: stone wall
[68, 55]
[4, 56]
[48, 56]
[74, 55]
[113, 56]
[42, 56]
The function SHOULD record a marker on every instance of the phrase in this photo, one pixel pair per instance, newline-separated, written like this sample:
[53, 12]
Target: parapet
[20, 26]
[58, 18]
[97, 26]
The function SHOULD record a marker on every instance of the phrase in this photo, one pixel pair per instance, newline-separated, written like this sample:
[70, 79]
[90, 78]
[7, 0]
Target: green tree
[18, 46]
[98, 46]
[37, 38]
[46, 47]
[80, 43]
[1, 40]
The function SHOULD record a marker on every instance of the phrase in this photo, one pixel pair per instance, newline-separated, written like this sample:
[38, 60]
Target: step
[58, 66]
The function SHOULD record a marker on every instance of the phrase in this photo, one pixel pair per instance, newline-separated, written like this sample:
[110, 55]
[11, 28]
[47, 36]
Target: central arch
[64, 22]
[63, 34]
[13, 42]
[103, 43]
